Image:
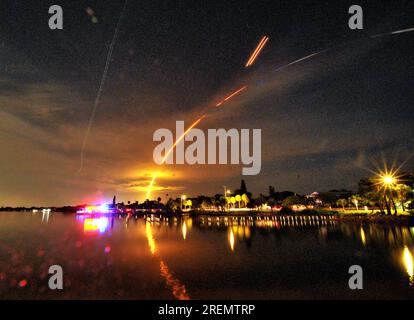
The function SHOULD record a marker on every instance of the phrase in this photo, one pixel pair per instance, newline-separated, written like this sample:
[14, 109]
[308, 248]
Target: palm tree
[342, 203]
[355, 199]
[403, 192]
[238, 199]
[233, 200]
[389, 193]
[245, 199]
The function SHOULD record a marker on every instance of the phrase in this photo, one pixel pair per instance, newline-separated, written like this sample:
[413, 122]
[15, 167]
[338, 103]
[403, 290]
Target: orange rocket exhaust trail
[256, 51]
[185, 133]
[231, 95]
[170, 150]
[250, 62]
[182, 137]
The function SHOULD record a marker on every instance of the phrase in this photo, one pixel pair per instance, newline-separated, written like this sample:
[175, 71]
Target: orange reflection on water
[231, 239]
[177, 288]
[247, 232]
[407, 259]
[151, 241]
[184, 230]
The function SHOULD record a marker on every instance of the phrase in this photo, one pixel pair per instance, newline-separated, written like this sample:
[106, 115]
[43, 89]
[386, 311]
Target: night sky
[324, 121]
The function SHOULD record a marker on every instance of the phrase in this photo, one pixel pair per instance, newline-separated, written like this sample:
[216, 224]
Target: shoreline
[407, 219]
[342, 217]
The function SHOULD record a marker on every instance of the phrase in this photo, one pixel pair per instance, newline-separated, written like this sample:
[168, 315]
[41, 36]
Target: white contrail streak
[393, 32]
[299, 60]
[101, 85]
[403, 30]
[316, 53]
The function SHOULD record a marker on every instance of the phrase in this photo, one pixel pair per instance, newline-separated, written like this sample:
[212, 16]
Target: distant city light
[103, 208]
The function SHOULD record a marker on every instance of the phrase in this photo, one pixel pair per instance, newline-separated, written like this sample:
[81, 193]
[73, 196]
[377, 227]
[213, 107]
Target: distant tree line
[395, 197]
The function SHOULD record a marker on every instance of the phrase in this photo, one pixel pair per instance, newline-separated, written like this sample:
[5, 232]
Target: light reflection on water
[231, 239]
[184, 229]
[151, 241]
[202, 257]
[408, 263]
[363, 238]
[177, 288]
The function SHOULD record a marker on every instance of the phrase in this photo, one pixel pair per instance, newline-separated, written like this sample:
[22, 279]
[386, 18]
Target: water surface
[202, 257]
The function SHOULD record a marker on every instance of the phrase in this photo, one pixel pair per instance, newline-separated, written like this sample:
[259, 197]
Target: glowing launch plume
[170, 150]
[256, 51]
[231, 96]
[101, 86]
[151, 185]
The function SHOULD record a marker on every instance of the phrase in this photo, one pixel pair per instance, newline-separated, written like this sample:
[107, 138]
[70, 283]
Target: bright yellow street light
[388, 180]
